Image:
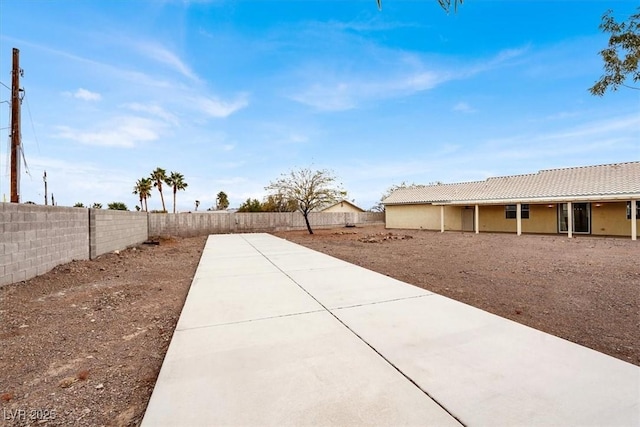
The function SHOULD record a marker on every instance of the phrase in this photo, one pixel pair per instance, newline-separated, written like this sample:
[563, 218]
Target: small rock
[126, 418]
[100, 386]
[67, 382]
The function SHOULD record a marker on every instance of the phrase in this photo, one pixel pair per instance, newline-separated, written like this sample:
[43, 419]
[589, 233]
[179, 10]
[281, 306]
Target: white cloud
[154, 110]
[87, 95]
[214, 107]
[164, 56]
[589, 139]
[352, 91]
[503, 58]
[463, 107]
[334, 97]
[72, 181]
[330, 88]
[125, 132]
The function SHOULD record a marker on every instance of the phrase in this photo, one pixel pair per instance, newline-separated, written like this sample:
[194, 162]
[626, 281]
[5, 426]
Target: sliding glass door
[581, 218]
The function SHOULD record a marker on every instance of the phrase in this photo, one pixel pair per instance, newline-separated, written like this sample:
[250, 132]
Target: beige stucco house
[343, 206]
[597, 200]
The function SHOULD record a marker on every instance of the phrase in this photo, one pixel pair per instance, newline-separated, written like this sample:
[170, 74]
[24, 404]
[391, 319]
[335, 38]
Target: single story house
[598, 200]
[343, 206]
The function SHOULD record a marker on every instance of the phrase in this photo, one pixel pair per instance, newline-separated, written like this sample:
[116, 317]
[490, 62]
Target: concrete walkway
[273, 333]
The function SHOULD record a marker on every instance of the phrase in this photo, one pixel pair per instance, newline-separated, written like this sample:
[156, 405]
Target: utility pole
[15, 127]
[44, 177]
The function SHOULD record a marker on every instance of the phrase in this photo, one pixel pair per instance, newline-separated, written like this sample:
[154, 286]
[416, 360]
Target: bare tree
[311, 189]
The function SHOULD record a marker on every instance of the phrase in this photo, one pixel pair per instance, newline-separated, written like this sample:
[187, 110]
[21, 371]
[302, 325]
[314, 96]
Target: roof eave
[542, 200]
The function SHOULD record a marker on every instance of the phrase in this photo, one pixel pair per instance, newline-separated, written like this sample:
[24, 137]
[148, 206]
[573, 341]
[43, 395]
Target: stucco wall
[610, 219]
[34, 239]
[112, 230]
[425, 217]
[542, 219]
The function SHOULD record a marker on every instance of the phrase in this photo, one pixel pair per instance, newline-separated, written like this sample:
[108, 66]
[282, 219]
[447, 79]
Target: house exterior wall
[610, 219]
[425, 217]
[542, 219]
[342, 207]
[492, 218]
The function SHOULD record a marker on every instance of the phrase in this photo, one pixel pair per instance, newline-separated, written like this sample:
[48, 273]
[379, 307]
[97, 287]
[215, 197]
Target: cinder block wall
[203, 223]
[111, 230]
[34, 239]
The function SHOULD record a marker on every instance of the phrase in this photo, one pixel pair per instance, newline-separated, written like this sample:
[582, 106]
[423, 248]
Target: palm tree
[176, 181]
[222, 201]
[159, 176]
[143, 190]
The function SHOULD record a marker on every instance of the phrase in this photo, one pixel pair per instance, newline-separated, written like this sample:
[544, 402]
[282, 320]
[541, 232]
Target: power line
[33, 128]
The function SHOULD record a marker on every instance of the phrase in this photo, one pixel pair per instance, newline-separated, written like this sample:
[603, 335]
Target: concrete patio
[273, 333]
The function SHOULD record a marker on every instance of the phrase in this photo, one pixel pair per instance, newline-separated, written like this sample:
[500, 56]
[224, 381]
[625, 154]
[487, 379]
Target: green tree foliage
[117, 206]
[621, 56]
[79, 205]
[222, 201]
[310, 189]
[279, 203]
[159, 176]
[97, 206]
[176, 181]
[445, 4]
[143, 190]
[251, 205]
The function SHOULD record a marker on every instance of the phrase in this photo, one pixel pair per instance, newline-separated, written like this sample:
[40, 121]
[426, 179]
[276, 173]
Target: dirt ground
[83, 344]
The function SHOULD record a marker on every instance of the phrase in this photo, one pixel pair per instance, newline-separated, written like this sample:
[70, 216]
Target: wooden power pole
[15, 127]
[44, 178]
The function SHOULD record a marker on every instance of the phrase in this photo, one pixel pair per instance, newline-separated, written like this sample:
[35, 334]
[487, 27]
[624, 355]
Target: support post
[476, 221]
[519, 219]
[442, 218]
[569, 220]
[634, 218]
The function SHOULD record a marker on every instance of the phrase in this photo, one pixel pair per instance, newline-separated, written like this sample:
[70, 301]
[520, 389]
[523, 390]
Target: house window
[511, 211]
[637, 210]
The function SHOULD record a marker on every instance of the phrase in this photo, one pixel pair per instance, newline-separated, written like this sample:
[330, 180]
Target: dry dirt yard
[83, 344]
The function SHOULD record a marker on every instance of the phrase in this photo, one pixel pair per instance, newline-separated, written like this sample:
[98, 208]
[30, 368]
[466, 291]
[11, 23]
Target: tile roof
[612, 181]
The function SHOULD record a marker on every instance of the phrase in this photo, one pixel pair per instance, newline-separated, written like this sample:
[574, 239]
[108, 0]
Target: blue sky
[234, 93]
